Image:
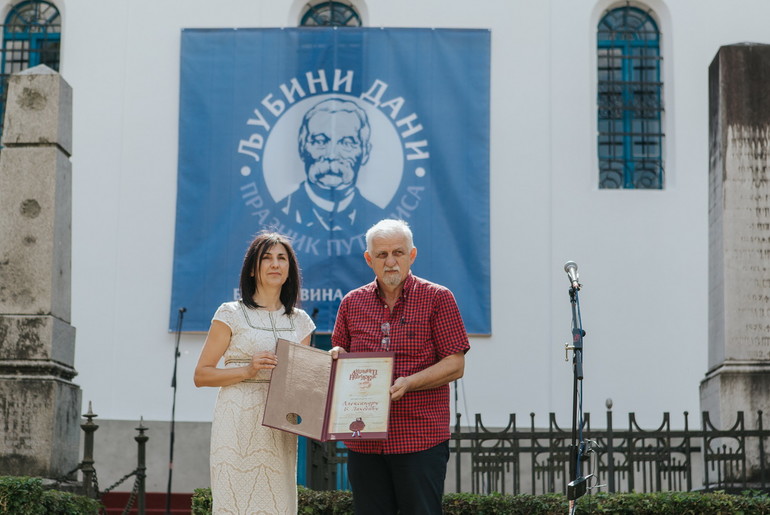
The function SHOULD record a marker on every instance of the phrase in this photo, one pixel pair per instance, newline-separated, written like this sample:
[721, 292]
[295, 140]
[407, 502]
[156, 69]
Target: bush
[493, 504]
[201, 501]
[330, 502]
[26, 496]
[680, 503]
[309, 502]
[339, 502]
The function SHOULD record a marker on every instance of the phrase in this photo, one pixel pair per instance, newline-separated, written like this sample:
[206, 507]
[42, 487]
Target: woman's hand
[264, 360]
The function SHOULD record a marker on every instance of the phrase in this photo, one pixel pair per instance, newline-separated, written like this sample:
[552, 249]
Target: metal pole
[458, 428]
[141, 468]
[180, 320]
[88, 454]
[610, 449]
[762, 465]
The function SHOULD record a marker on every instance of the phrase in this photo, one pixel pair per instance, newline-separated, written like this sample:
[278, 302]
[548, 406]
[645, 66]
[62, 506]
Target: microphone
[571, 268]
[314, 313]
[182, 310]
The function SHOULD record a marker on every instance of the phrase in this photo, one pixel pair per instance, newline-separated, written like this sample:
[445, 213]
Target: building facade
[578, 171]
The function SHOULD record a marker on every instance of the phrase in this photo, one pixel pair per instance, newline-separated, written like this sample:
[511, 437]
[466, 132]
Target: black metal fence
[90, 482]
[617, 458]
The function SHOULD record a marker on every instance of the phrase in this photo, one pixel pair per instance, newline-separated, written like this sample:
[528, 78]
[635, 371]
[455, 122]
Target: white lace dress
[253, 468]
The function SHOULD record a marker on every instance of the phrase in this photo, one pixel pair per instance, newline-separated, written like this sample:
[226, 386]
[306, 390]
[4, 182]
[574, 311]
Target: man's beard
[392, 279]
[332, 174]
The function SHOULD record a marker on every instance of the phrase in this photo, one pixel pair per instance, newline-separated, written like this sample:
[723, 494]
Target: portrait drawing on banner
[334, 142]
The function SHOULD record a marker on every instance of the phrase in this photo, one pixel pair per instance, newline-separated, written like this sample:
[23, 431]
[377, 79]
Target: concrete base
[40, 418]
[733, 387]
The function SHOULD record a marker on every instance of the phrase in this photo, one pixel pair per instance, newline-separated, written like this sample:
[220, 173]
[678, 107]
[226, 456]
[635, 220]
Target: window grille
[629, 97]
[330, 14]
[31, 36]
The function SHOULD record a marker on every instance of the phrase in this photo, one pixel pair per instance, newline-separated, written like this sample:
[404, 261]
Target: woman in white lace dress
[253, 467]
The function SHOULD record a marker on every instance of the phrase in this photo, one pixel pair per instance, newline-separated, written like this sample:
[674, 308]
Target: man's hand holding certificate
[342, 399]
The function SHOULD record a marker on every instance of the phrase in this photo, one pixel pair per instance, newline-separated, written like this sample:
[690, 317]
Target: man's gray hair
[389, 227]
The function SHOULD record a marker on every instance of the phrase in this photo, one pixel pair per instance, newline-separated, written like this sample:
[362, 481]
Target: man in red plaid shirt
[420, 322]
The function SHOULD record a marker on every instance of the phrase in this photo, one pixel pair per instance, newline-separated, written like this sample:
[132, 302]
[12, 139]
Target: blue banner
[320, 133]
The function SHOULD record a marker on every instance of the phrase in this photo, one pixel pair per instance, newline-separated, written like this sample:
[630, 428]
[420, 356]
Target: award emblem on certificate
[324, 399]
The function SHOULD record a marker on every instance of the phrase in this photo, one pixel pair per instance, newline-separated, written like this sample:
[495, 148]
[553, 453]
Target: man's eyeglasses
[385, 335]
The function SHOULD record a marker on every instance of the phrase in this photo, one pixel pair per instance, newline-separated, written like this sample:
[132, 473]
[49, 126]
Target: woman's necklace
[272, 327]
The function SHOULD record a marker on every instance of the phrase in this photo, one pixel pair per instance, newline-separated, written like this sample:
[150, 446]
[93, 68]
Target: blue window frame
[31, 36]
[330, 14]
[630, 106]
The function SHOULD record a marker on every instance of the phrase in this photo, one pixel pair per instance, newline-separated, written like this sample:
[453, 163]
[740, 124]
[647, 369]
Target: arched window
[630, 104]
[330, 14]
[31, 36]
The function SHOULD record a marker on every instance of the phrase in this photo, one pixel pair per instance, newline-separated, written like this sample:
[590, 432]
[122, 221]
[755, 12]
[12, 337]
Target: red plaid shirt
[425, 326]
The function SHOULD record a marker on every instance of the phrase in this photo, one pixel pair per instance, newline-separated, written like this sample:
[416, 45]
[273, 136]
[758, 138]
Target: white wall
[642, 254]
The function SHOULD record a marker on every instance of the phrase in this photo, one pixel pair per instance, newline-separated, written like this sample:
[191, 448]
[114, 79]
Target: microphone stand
[313, 316]
[458, 430]
[179, 320]
[577, 486]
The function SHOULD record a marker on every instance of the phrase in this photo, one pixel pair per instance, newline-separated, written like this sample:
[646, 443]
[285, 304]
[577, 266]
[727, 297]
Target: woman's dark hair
[254, 254]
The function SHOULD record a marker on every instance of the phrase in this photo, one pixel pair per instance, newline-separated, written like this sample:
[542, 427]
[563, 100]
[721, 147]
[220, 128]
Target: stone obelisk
[738, 376]
[39, 404]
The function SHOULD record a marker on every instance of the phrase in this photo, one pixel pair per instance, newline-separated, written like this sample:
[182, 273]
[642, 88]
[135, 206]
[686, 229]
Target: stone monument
[738, 376]
[39, 404]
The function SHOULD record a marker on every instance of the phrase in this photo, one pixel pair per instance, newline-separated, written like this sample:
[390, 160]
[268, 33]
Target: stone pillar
[738, 376]
[39, 404]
